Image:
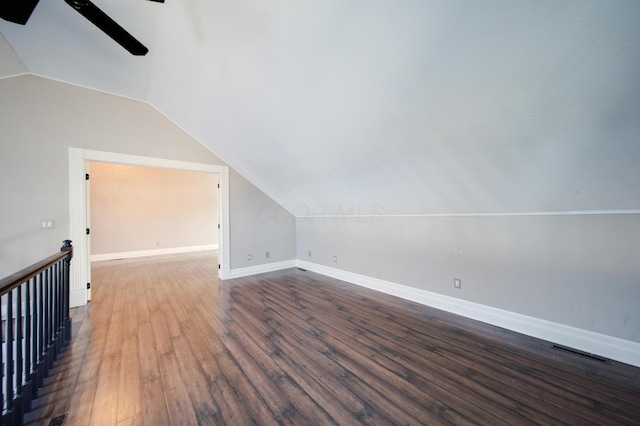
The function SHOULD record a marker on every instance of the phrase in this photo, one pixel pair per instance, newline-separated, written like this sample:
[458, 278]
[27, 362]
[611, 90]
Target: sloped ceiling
[385, 107]
[10, 63]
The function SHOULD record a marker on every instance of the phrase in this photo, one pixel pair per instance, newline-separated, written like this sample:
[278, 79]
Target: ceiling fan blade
[17, 11]
[109, 26]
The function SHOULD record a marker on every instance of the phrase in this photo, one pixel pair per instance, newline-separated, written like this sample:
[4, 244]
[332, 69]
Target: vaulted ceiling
[385, 106]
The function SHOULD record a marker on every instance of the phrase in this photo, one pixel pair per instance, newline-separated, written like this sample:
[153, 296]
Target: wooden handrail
[14, 280]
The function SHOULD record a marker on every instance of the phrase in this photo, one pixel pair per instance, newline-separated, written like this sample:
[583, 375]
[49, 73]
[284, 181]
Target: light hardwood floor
[163, 342]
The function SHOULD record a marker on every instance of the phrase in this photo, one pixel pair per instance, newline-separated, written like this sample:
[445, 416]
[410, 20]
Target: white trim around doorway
[78, 159]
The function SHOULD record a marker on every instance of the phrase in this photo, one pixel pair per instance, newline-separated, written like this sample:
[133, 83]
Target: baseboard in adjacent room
[153, 252]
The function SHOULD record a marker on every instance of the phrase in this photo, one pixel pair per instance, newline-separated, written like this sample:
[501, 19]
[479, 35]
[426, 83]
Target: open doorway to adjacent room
[136, 211]
[80, 161]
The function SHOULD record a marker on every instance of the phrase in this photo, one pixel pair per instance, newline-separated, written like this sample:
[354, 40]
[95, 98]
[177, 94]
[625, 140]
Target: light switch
[47, 224]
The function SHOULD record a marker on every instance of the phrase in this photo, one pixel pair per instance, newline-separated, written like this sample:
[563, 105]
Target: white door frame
[78, 166]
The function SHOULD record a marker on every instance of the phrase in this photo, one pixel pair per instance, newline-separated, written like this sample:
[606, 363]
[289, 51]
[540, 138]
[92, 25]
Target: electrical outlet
[267, 255]
[249, 257]
[335, 258]
[457, 283]
[309, 253]
[158, 243]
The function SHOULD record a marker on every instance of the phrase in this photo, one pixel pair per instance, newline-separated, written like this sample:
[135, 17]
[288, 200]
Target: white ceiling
[384, 106]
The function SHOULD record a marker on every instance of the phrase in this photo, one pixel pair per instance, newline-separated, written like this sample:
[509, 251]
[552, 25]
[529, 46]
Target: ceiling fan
[19, 11]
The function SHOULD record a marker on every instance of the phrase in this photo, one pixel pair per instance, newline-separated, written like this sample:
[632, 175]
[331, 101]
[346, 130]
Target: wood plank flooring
[163, 342]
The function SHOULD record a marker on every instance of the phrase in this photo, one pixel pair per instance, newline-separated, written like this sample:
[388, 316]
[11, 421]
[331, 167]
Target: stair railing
[35, 326]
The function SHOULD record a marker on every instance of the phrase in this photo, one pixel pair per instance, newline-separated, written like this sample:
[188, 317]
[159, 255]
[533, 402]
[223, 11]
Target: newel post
[66, 247]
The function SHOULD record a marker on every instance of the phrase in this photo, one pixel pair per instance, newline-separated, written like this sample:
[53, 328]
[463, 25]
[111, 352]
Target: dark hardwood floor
[163, 342]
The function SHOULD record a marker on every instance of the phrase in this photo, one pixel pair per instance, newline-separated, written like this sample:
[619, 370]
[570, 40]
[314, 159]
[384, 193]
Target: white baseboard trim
[77, 297]
[227, 274]
[625, 351]
[153, 252]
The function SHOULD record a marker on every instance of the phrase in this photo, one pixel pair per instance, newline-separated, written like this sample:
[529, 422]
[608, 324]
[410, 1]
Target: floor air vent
[58, 421]
[582, 354]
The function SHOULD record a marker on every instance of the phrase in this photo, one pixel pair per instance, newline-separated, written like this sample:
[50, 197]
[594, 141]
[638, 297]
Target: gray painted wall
[40, 119]
[250, 212]
[578, 270]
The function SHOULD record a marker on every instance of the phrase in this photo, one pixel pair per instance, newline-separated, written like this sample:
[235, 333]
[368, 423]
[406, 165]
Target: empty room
[410, 212]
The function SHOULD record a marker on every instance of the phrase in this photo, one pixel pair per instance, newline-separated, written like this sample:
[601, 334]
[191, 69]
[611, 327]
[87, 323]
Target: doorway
[79, 204]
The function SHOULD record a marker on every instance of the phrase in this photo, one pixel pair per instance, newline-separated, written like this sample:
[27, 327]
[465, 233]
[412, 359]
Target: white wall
[40, 119]
[138, 209]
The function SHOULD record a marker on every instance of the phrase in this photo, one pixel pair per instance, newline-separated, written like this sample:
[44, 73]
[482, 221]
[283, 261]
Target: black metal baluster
[2, 345]
[52, 317]
[41, 331]
[9, 360]
[60, 327]
[48, 362]
[35, 348]
[18, 397]
[52, 314]
[26, 387]
[54, 311]
[66, 246]
[50, 336]
[59, 335]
